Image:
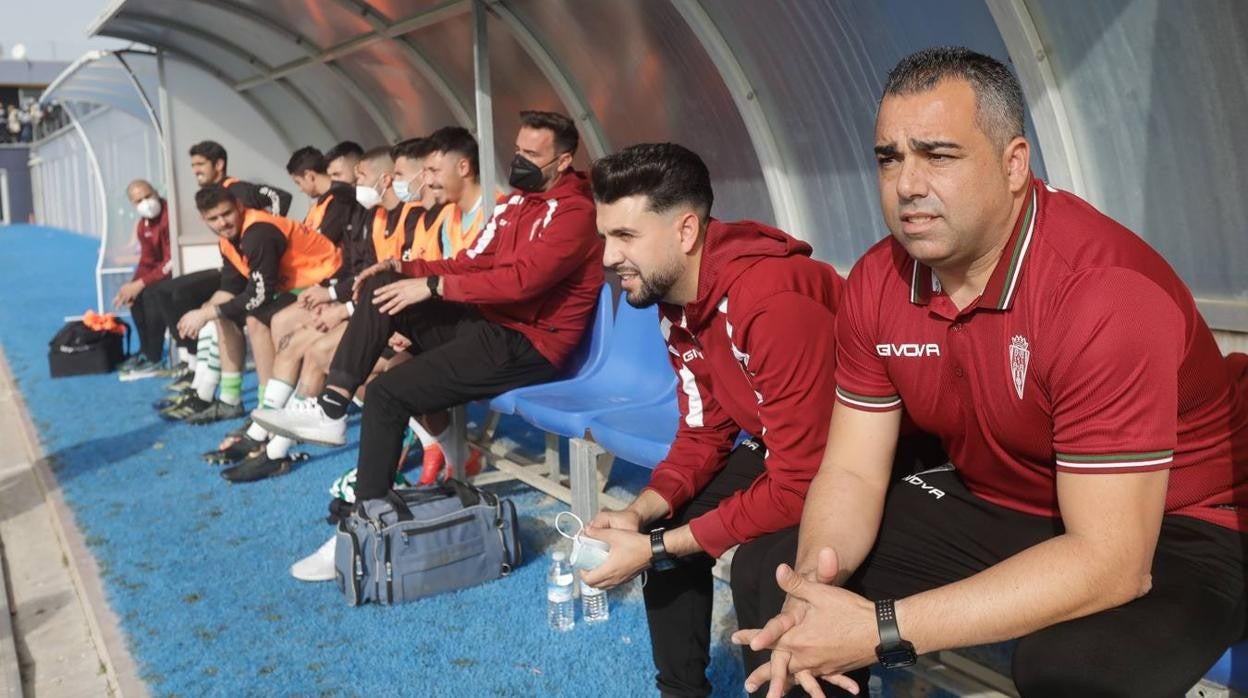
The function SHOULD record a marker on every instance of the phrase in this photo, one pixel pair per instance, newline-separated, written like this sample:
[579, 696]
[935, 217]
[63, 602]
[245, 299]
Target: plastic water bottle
[560, 608]
[594, 604]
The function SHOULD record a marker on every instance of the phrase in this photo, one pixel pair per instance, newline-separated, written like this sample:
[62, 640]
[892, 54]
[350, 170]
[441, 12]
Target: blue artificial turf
[196, 568]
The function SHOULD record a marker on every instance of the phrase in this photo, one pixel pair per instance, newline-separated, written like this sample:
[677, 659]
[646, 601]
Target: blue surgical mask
[404, 192]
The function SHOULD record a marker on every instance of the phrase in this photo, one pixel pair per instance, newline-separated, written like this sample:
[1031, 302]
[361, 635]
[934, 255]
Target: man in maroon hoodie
[749, 322]
[506, 312]
[152, 231]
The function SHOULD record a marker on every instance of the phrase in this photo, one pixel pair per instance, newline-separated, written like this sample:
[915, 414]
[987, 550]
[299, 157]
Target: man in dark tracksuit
[189, 291]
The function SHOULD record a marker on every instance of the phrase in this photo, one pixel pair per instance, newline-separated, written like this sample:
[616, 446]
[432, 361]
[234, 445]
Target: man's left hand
[127, 293]
[393, 298]
[194, 320]
[630, 554]
[836, 633]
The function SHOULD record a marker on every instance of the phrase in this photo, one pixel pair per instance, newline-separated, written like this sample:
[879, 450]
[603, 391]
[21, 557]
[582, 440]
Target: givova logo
[909, 350]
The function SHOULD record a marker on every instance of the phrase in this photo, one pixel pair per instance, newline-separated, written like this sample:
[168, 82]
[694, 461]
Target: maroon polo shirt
[1085, 354]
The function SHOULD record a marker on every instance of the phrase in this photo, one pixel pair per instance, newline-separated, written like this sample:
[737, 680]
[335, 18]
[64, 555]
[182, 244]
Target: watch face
[897, 657]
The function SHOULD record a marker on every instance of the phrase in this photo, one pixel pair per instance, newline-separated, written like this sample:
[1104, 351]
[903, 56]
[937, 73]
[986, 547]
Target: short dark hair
[345, 149]
[210, 151]
[304, 159]
[455, 139]
[213, 196]
[412, 148]
[999, 103]
[666, 173]
[381, 151]
[566, 137]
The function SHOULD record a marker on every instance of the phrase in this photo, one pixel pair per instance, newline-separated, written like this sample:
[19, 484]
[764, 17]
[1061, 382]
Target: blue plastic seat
[635, 372]
[640, 435]
[1232, 668]
[589, 357]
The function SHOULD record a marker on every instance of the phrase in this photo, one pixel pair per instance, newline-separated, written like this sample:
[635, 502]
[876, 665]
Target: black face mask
[526, 175]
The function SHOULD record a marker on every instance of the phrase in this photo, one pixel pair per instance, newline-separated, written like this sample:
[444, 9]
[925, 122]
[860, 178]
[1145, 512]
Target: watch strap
[433, 286]
[886, 621]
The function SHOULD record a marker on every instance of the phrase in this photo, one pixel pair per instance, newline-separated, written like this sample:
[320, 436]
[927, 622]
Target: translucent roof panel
[324, 23]
[817, 69]
[647, 78]
[301, 118]
[125, 80]
[411, 104]
[229, 21]
[349, 119]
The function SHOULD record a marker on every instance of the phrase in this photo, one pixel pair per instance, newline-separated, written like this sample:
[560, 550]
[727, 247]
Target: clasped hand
[822, 631]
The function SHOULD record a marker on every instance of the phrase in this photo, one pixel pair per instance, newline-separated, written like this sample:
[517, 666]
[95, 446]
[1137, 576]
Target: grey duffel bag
[423, 541]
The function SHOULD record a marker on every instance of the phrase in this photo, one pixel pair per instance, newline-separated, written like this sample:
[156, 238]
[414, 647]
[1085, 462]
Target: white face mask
[367, 196]
[404, 192]
[149, 207]
[587, 553]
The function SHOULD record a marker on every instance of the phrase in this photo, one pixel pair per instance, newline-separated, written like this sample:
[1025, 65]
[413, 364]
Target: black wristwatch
[433, 286]
[893, 652]
[660, 560]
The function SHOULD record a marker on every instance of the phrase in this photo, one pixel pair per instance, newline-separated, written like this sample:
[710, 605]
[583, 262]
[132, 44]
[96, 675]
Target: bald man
[153, 269]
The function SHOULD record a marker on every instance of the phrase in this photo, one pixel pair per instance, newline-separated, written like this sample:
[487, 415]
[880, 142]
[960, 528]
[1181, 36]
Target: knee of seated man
[1054, 662]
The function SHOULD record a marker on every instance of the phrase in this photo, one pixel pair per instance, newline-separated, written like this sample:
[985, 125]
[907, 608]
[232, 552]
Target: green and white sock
[276, 393]
[231, 388]
[207, 363]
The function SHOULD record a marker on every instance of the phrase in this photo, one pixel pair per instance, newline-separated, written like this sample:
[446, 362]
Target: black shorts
[266, 312]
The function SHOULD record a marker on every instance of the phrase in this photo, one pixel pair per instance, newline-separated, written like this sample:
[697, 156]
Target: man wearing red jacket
[152, 231]
[506, 312]
[749, 320]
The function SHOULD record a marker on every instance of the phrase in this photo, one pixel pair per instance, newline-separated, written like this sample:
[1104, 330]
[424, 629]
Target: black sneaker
[182, 377]
[232, 450]
[186, 406]
[258, 466]
[216, 411]
[172, 399]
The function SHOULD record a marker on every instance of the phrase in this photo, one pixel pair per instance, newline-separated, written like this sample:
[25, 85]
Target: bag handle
[469, 496]
[400, 506]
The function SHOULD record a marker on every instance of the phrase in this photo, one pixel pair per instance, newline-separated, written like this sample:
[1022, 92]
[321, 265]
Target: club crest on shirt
[1020, 356]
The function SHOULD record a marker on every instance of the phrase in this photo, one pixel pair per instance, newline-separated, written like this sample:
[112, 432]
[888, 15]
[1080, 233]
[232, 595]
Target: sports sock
[207, 363]
[421, 433]
[231, 388]
[333, 403]
[276, 393]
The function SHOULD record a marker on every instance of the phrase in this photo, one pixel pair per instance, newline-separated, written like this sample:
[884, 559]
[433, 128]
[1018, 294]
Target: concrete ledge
[28, 469]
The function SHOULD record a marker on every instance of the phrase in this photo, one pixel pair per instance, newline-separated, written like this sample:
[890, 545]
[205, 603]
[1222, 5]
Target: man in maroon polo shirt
[1098, 439]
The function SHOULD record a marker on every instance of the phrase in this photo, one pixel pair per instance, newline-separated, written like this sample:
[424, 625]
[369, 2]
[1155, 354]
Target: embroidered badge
[1020, 355]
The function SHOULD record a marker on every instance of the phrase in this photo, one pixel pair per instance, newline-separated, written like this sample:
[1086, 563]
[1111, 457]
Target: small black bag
[77, 350]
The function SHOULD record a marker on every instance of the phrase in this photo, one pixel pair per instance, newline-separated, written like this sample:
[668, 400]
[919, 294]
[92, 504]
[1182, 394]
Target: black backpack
[77, 349]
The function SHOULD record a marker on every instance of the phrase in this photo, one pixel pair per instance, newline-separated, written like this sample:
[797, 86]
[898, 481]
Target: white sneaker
[303, 420]
[317, 567]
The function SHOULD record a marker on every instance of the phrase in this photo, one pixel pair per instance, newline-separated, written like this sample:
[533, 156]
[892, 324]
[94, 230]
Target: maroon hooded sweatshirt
[536, 267]
[154, 264]
[755, 351]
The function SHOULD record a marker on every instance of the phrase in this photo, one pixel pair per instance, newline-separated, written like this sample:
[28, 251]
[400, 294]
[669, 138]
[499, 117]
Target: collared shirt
[1084, 354]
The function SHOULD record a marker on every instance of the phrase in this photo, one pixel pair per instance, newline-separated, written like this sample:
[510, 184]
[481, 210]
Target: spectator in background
[36, 116]
[23, 121]
[15, 124]
[341, 161]
[153, 269]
